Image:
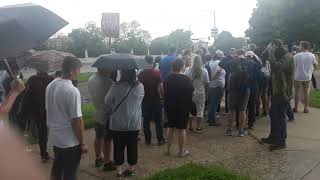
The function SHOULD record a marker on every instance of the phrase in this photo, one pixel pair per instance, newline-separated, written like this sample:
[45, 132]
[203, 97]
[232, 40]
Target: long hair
[196, 67]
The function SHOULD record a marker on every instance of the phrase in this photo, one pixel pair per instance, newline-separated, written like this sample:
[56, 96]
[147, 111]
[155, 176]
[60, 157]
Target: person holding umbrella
[123, 104]
[124, 101]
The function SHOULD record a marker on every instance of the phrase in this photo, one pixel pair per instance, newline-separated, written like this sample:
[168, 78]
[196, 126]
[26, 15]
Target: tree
[179, 38]
[132, 37]
[159, 45]
[225, 41]
[89, 38]
[290, 20]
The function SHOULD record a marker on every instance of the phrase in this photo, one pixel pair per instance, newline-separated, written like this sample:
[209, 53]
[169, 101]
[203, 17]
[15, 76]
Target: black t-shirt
[178, 91]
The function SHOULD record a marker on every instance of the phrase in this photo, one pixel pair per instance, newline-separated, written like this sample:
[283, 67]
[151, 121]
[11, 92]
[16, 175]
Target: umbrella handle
[8, 68]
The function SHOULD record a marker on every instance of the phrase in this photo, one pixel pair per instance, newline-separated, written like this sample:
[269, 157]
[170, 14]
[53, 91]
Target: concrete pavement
[300, 161]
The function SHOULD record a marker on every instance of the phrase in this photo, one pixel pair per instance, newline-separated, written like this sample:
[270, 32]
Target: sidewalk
[300, 161]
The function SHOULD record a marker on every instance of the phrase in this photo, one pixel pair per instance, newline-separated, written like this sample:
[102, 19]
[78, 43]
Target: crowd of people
[179, 92]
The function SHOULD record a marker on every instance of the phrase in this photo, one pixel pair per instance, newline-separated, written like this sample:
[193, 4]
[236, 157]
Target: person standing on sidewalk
[65, 123]
[98, 86]
[282, 75]
[216, 87]
[305, 63]
[165, 63]
[178, 90]
[151, 104]
[239, 91]
[34, 98]
[200, 79]
[123, 103]
[255, 84]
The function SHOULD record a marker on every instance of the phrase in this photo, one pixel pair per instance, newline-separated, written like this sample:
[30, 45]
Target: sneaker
[275, 147]
[229, 132]
[198, 130]
[184, 153]
[162, 142]
[243, 132]
[99, 162]
[128, 173]
[109, 166]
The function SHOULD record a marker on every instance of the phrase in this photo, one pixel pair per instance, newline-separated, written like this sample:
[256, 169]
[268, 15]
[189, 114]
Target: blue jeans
[152, 112]
[278, 132]
[215, 96]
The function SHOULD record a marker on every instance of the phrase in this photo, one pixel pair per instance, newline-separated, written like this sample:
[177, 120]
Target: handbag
[193, 109]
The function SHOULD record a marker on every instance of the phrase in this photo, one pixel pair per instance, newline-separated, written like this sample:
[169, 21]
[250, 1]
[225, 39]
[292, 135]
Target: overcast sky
[159, 17]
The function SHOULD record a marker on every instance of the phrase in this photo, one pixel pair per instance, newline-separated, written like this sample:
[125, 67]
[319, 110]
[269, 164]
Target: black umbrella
[121, 61]
[25, 26]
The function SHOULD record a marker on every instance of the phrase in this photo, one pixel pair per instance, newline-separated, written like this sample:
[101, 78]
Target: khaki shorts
[299, 84]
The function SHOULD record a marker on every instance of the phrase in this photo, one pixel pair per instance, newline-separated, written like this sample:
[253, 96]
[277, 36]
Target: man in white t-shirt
[304, 63]
[64, 120]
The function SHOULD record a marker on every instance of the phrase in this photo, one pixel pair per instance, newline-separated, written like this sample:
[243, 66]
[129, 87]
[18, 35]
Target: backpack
[240, 77]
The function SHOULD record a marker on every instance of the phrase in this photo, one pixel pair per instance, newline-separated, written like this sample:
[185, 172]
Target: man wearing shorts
[239, 92]
[304, 63]
[98, 86]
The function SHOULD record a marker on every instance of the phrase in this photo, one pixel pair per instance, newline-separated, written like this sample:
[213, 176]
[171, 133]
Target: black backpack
[209, 70]
[240, 76]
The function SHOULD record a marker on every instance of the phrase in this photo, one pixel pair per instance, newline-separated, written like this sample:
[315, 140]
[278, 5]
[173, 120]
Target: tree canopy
[290, 20]
[88, 38]
[225, 41]
[179, 38]
[132, 37]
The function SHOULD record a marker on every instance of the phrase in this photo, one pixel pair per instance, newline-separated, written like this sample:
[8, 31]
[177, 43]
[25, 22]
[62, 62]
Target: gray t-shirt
[198, 83]
[98, 87]
[128, 116]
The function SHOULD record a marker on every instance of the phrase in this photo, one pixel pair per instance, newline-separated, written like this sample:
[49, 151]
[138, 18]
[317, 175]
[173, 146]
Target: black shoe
[45, 158]
[109, 166]
[215, 124]
[275, 147]
[162, 142]
[99, 162]
[266, 141]
[148, 143]
[128, 173]
[291, 119]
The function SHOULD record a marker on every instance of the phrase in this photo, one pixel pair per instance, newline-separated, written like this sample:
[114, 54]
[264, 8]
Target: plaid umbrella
[47, 61]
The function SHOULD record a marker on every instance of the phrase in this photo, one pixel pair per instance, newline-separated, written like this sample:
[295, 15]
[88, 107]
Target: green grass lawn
[197, 172]
[315, 99]
[88, 115]
[84, 77]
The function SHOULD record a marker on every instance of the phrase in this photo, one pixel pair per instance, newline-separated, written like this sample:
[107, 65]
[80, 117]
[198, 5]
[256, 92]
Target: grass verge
[196, 171]
[315, 99]
[84, 77]
[88, 115]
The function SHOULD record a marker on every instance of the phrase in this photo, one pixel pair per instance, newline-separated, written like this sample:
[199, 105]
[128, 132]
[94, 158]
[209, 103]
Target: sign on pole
[110, 24]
